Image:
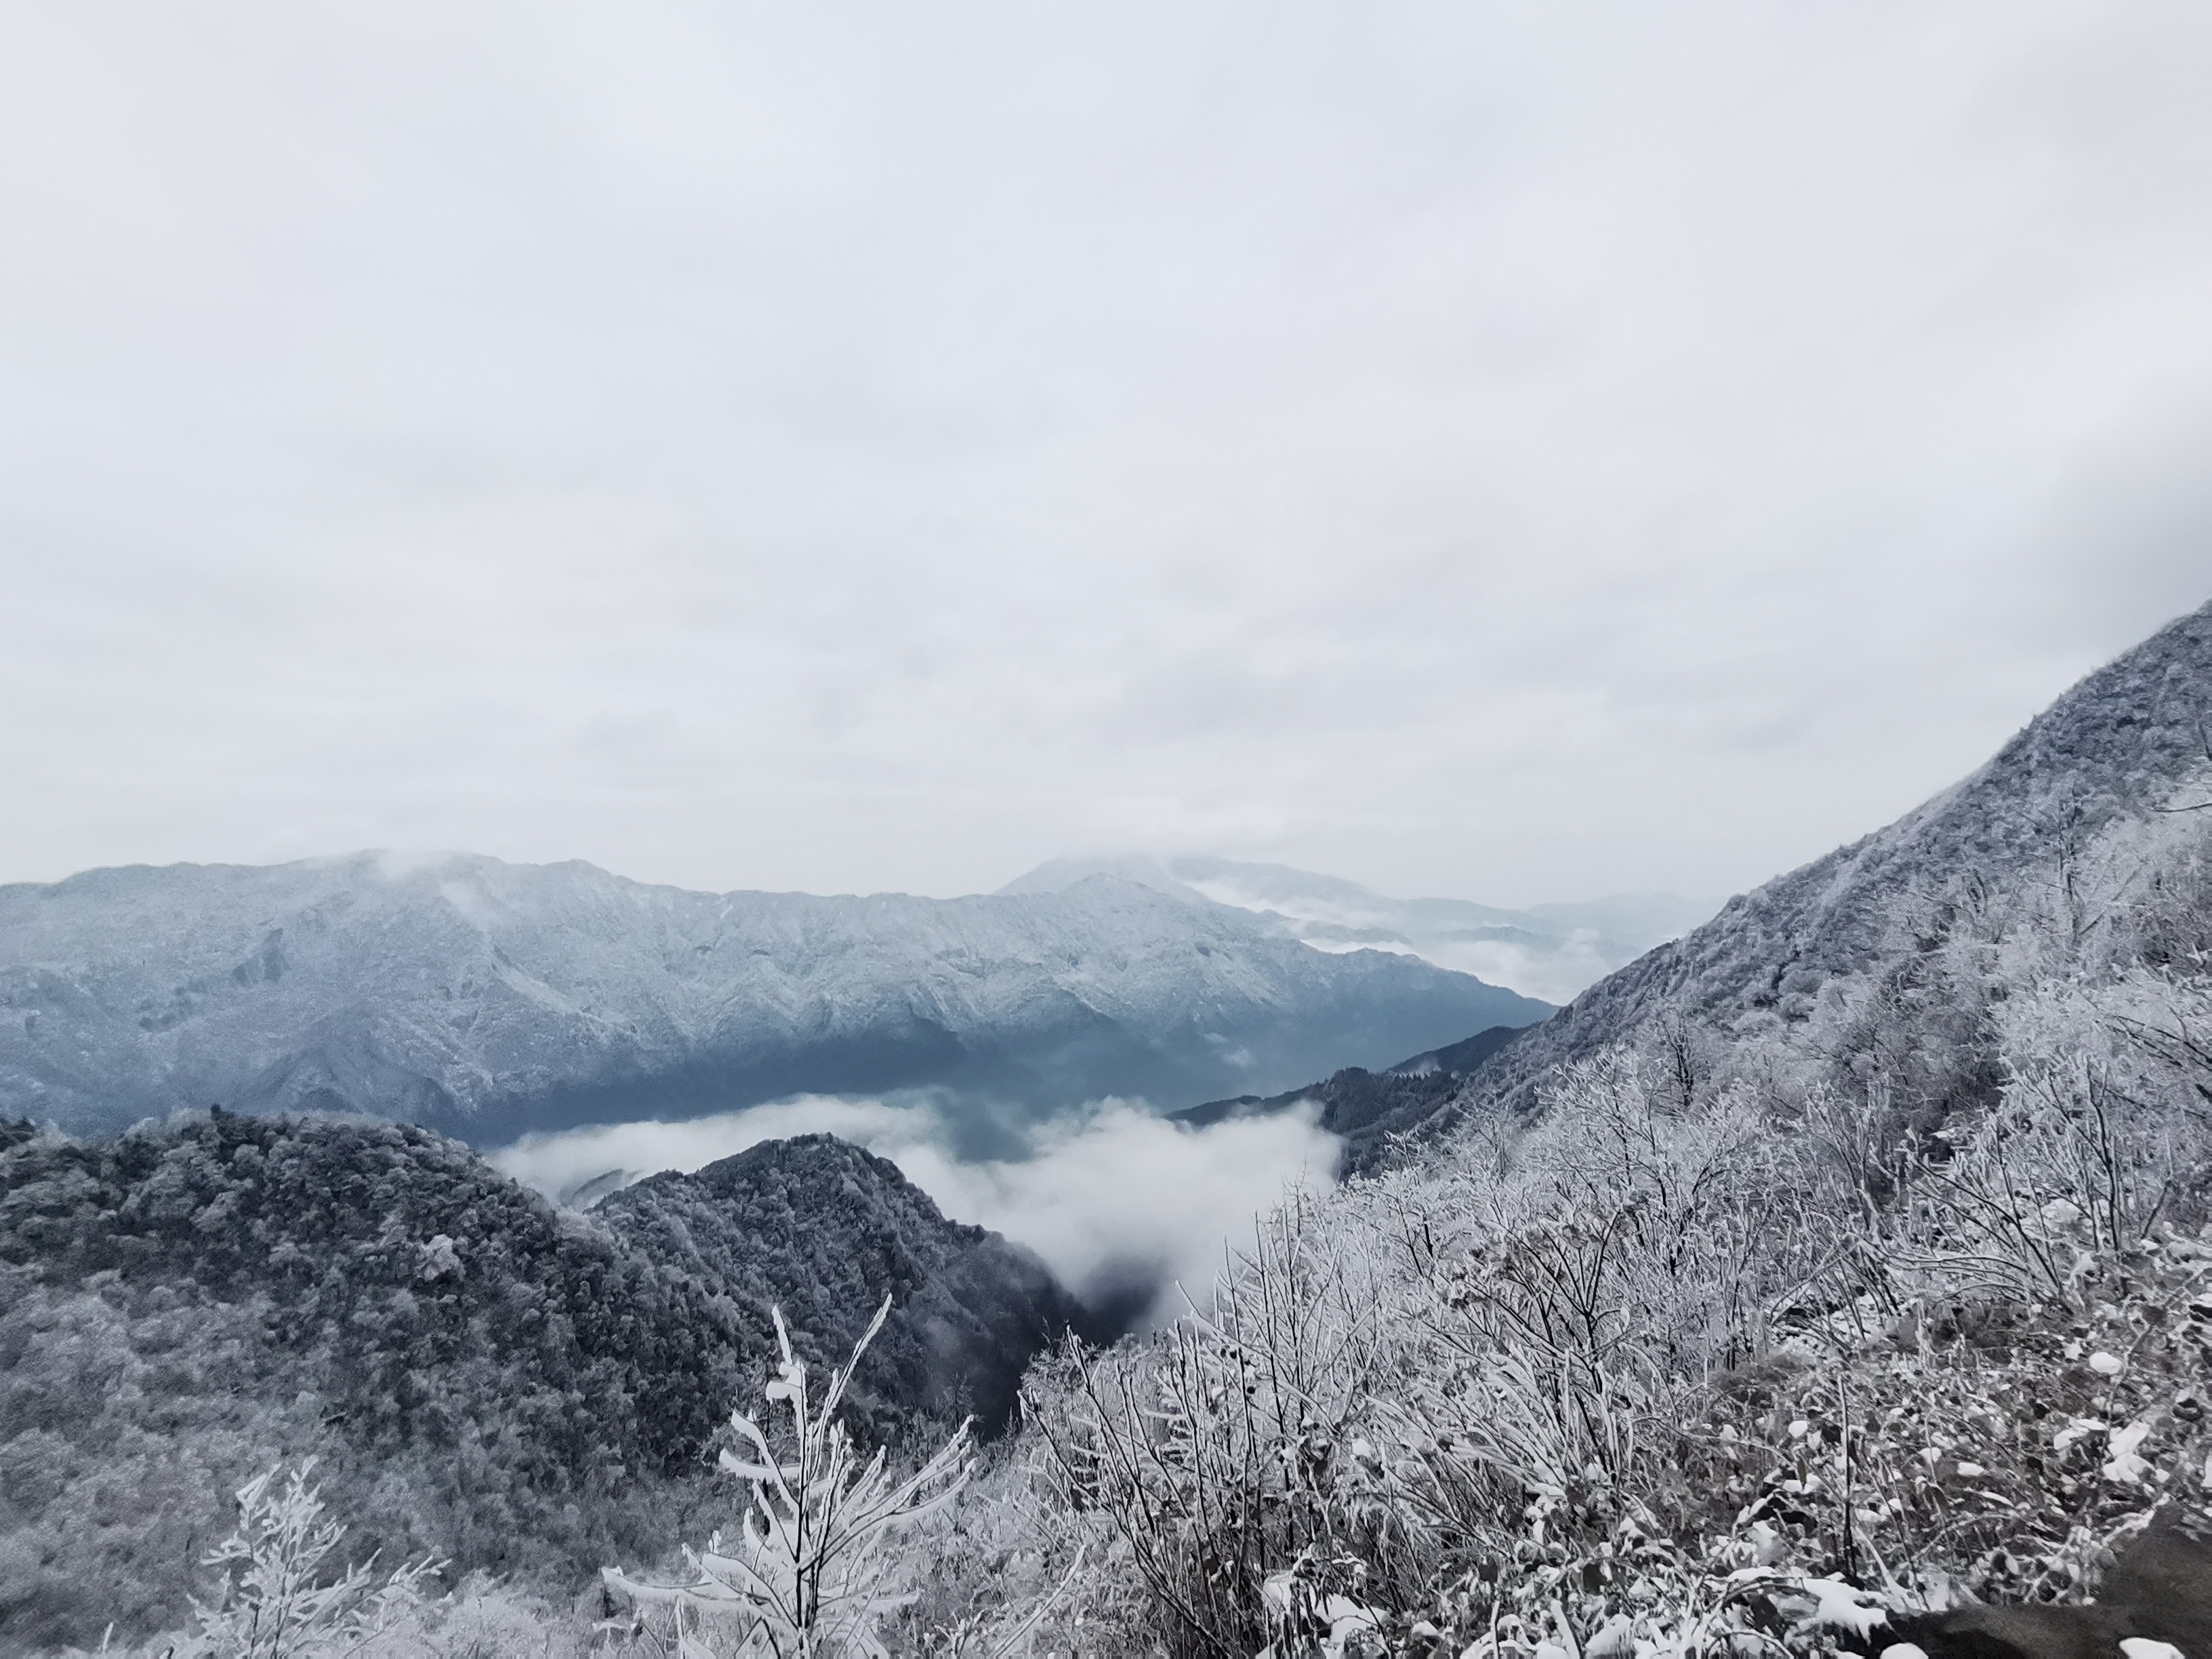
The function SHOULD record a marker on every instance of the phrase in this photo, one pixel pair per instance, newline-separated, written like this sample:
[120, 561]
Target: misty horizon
[739, 449]
[430, 858]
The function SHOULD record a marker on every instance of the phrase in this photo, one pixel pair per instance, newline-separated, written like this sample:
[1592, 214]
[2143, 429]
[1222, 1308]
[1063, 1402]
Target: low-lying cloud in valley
[1121, 1205]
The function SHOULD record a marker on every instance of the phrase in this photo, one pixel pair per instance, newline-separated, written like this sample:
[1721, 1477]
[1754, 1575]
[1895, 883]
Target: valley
[1904, 1153]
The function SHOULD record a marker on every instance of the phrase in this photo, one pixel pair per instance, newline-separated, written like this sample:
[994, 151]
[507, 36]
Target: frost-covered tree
[815, 1566]
[278, 1599]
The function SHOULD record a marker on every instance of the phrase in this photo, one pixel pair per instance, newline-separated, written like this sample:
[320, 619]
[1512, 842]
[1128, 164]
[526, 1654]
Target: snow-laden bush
[1754, 1354]
[280, 1595]
[1438, 1367]
[1213, 1452]
[279, 1600]
[814, 1567]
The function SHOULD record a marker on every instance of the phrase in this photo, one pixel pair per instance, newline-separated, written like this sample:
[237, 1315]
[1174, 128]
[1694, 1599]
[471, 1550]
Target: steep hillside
[484, 999]
[482, 1376]
[2121, 746]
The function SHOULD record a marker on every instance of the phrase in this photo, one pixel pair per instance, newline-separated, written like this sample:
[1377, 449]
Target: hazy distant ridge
[1549, 952]
[486, 999]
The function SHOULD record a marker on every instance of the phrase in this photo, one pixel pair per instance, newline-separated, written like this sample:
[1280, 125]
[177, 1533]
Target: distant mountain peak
[1549, 952]
[1058, 875]
[487, 998]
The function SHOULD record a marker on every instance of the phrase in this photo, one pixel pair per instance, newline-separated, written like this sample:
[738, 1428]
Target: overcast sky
[1510, 452]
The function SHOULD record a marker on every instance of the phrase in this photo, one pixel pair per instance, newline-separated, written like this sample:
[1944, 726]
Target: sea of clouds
[1128, 1209]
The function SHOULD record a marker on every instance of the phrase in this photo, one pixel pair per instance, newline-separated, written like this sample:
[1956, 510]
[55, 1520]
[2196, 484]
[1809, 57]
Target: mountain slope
[484, 1377]
[2120, 745]
[486, 999]
[828, 1230]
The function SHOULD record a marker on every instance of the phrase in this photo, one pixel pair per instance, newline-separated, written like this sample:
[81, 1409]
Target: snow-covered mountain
[489, 999]
[1549, 952]
[2131, 742]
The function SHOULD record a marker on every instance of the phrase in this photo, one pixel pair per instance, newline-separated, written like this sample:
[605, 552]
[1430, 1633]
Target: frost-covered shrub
[1761, 1347]
[1988, 1446]
[1008, 1570]
[814, 1567]
[279, 1599]
[280, 1595]
[1229, 1446]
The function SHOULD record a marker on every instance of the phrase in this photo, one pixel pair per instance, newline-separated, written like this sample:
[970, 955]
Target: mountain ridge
[2117, 745]
[487, 998]
[1355, 1099]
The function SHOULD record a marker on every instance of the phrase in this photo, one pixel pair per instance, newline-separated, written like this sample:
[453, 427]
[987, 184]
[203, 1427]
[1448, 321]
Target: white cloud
[561, 1161]
[1121, 1205]
[1120, 1200]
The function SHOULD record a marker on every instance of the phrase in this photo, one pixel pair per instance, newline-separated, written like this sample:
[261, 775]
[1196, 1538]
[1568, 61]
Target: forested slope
[828, 1230]
[484, 1377]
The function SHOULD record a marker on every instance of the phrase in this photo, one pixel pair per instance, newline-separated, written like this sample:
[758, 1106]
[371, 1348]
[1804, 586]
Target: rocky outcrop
[2159, 1589]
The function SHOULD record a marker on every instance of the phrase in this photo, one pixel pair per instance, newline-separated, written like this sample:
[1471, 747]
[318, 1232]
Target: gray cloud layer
[1516, 452]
